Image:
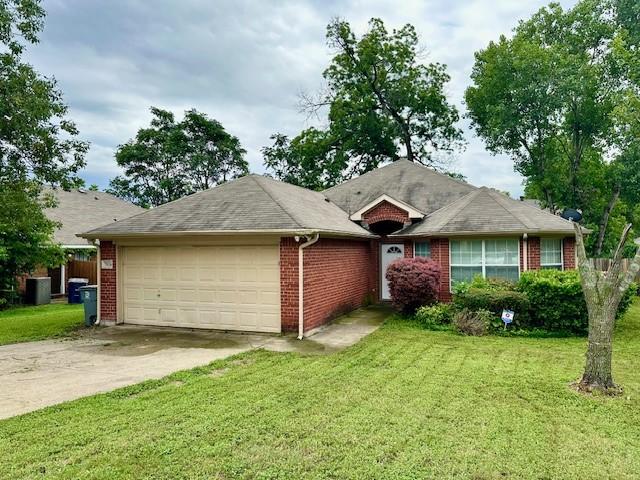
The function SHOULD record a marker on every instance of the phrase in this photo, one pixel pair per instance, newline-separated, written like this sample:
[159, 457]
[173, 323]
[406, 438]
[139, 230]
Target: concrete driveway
[38, 374]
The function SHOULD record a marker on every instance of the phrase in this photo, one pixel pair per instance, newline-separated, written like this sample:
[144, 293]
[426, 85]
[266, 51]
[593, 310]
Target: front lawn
[403, 403]
[22, 324]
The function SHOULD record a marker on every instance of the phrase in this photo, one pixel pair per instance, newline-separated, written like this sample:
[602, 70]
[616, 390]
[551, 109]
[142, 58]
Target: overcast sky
[244, 63]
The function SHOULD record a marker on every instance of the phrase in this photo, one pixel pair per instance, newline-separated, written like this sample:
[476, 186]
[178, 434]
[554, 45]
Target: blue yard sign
[507, 317]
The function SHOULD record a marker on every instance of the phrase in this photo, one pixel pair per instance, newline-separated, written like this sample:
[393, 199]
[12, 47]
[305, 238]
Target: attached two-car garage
[226, 287]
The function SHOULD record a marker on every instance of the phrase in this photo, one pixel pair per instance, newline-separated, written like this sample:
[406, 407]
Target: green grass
[403, 403]
[23, 324]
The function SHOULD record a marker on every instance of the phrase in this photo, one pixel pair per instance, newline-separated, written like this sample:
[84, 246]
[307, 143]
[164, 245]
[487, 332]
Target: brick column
[534, 253]
[440, 254]
[108, 283]
[569, 253]
[289, 284]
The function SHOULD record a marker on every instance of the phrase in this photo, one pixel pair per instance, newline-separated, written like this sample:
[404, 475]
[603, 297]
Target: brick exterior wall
[569, 253]
[385, 211]
[108, 284]
[337, 278]
[440, 254]
[534, 253]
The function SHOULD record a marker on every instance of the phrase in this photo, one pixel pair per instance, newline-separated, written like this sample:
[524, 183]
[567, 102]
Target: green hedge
[557, 300]
[496, 301]
[546, 299]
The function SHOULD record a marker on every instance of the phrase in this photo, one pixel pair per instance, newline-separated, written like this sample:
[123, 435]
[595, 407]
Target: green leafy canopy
[381, 103]
[171, 159]
[561, 97]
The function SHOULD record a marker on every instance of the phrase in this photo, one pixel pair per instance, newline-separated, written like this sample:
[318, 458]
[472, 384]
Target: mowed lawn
[22, 324]
[403, 403]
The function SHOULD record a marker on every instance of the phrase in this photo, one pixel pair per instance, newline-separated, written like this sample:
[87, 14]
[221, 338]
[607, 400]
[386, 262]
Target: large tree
[38, 144]
[603, 292]
[382, 102]
[553, 97]
[170, 159]
[37, 140]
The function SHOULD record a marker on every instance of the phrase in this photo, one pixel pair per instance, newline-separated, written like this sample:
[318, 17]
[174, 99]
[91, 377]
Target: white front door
[388, 253]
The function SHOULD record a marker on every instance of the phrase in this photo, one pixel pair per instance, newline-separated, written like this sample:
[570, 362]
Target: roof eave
[484, 233]
[95, 235]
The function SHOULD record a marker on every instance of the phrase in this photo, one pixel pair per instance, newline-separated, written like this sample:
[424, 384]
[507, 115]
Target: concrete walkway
[38, 374]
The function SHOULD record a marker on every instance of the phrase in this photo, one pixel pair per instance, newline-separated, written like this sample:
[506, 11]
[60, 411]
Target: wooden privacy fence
[603, 265]
[83, 269]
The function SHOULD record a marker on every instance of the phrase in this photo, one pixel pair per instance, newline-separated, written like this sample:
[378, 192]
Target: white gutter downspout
[301, 248]
[525, 252]
[99, 269]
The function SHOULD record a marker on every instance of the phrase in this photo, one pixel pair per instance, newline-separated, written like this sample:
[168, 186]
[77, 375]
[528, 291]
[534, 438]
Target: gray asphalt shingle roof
[82, 210]
[486, 211]
[252, 203]
[411, 183]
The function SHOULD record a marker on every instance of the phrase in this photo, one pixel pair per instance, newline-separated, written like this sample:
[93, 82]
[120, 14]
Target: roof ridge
[285, 210]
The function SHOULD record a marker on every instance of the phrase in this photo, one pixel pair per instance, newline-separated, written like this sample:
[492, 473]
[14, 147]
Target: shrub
[627, 299]
[413, 282]
[438, 314]
[470, 322]
[557, 300]
[496, 297]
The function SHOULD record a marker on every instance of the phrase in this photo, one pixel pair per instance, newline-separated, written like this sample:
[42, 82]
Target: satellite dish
[571, 214]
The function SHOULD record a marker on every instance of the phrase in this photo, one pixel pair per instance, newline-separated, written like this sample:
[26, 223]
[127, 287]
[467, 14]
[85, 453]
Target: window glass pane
[466, 252]
[503, 251]
[551, 267]
[422, 249]
[464, 274]
[551, 251]
[502, 273]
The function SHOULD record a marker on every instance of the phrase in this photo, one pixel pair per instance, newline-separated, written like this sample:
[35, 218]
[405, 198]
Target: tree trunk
[604, 222]
[597, 370]
[407, 144]
[603, 292]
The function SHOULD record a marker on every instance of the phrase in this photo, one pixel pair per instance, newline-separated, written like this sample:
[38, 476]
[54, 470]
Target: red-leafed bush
[413, 282]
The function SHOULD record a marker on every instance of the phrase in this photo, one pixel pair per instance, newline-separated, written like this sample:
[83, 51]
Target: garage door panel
[221, 287]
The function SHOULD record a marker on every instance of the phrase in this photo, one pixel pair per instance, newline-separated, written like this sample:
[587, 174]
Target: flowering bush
[413, 282]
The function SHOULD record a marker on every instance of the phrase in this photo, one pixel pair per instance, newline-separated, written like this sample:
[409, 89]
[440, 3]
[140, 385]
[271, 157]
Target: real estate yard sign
[507, 317]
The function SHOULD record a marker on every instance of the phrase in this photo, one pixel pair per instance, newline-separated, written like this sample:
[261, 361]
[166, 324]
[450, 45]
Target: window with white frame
[551, 253]
[422, 249]
[491, 258]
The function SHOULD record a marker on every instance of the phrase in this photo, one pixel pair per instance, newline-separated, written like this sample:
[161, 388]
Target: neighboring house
[234, 257]
[78, 211]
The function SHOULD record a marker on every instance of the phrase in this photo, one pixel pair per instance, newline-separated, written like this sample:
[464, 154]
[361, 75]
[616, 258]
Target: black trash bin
[73, 289]
[89, 296]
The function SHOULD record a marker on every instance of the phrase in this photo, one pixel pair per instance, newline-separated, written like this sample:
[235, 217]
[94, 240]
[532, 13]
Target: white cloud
[244, 63]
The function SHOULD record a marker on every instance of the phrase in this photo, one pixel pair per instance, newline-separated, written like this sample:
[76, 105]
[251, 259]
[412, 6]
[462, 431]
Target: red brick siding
[408, 249]
[289, 284]
[385, 211]
[337, 278]
[440, 254]
[569, 253]
[108, 283]
[374, 278]
[534, 253]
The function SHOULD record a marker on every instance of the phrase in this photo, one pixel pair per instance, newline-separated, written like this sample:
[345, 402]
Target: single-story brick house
[246, 254]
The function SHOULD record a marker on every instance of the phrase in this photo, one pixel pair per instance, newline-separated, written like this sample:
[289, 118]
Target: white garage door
[217, 287]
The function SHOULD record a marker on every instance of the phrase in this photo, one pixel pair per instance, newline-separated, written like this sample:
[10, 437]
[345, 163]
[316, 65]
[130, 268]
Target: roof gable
[415, 185]
[411, 212]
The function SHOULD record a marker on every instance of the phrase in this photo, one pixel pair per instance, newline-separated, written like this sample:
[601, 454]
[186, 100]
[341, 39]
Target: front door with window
[388, 253]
